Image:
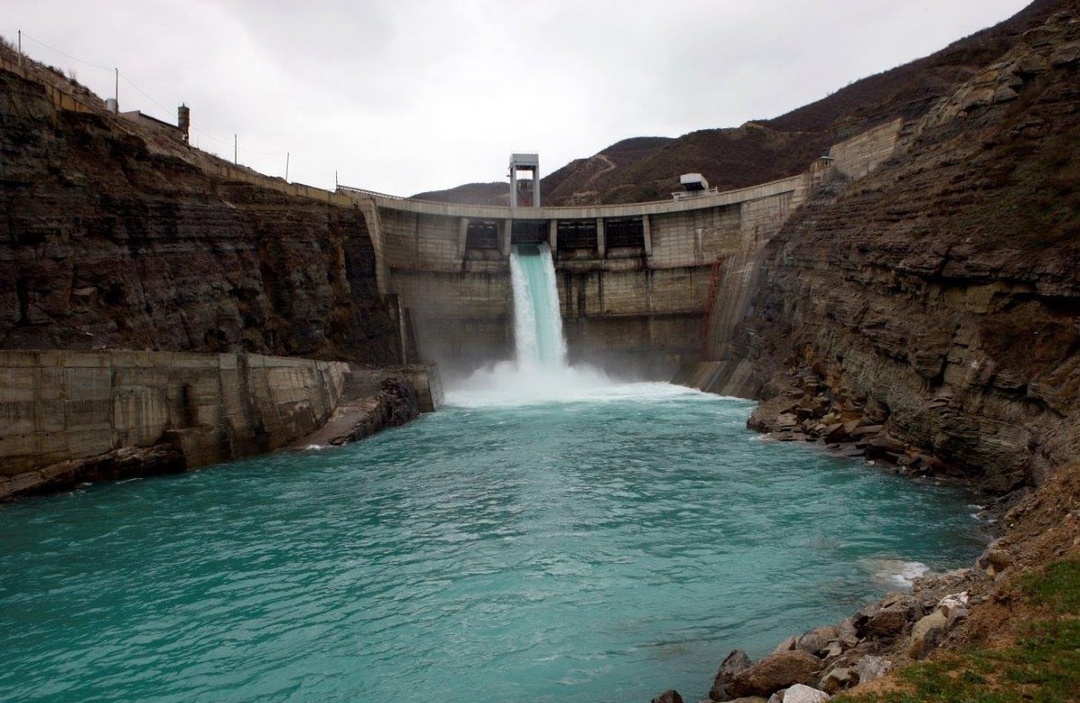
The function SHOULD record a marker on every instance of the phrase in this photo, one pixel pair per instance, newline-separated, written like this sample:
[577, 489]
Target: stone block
[926, 634]
[774, 672]
[18, 385]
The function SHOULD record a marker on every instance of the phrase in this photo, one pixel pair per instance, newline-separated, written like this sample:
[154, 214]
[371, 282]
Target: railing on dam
[547, 212]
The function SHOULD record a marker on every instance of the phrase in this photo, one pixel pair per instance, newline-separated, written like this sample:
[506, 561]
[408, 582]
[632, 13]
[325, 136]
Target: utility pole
[234, 150]
[20, 48]
[286, 167]
[116, 89]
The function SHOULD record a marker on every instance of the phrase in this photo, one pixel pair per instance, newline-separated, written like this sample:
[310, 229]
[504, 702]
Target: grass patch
[1058, 589]
[1043, 666]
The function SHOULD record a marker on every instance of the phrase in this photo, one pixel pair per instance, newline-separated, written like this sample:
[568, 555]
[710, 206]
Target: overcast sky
[404, 96]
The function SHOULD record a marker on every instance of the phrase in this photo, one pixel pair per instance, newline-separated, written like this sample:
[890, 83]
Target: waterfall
[538, 337]
[540, 373]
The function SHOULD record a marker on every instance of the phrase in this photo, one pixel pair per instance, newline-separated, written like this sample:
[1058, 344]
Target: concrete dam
[644, 287]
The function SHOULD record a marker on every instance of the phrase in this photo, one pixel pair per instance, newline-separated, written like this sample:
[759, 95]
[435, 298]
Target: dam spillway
[637, 282]
[632, 280]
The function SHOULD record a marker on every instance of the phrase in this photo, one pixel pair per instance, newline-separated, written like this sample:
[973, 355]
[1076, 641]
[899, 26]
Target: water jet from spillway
[538, 335]
[540, 372]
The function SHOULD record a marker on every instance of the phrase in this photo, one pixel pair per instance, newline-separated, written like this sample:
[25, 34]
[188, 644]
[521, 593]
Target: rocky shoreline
[803, 406]
[940, 611]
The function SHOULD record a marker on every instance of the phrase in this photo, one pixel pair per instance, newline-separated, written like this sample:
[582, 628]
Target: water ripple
[592, 551]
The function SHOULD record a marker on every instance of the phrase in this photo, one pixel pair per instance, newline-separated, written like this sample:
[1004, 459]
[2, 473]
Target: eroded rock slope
[110, 239]
[940, 297]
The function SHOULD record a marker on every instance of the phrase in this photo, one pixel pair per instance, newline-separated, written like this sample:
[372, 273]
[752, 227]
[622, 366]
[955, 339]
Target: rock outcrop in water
[116, 237]
[933, 308]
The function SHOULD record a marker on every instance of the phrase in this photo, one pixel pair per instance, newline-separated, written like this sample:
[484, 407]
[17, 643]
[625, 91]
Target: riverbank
[869, 656]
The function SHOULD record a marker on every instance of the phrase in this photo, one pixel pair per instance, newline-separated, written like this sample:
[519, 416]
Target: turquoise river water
[512, 547]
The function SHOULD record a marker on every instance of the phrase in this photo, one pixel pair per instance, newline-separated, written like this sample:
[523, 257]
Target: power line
[143, 92]
[204, 135]
[73, 58]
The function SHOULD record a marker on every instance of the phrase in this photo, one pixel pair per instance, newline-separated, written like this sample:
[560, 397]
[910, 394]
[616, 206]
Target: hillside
[941, 293]
[470, 194]
[928, 315]
[648, 168]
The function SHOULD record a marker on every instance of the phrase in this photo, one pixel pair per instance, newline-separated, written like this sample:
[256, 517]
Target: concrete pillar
[601, 240]
[536, 187]
[463, 237]
[375, 233]
[504, 237]
[553, 235]
[646, 231]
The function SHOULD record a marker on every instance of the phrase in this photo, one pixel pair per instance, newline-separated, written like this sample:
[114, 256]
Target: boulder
[839, 679]
[872, 668]
[774, 672]
[956, 615]
[787, 645]
[884, 624]
[801, 693]
[733, 663]
[926, 634]
[833, 650]
[836, 433]
[848, 633]
[995, 560]
[817, 640]
[786, 421]
[953, 601]
[668, 696]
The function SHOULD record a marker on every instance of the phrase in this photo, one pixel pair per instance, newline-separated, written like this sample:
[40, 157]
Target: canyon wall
[737, 275]
[69, 416]
[940, 295]
[115, 236]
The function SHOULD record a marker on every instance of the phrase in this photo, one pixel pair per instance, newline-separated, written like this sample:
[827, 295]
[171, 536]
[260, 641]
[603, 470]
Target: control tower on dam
[636, 282]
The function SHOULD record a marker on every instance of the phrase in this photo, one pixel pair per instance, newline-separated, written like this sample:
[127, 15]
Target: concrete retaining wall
[58, 406]
[860, 155]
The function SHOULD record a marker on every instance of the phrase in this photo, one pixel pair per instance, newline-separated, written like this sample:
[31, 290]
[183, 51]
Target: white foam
[509, 385]
[898, 573]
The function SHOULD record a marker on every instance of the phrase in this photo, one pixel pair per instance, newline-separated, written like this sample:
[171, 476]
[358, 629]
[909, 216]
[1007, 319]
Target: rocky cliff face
[940, 297]
[112, 237]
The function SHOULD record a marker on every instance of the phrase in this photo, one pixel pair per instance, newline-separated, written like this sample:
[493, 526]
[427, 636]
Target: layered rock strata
[114, 236]
[931, 310]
